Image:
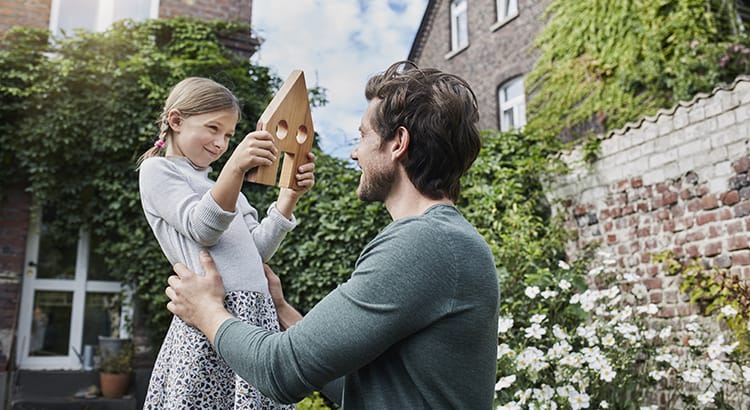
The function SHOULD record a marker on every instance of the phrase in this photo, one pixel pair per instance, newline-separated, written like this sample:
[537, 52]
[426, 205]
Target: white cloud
[339, 44]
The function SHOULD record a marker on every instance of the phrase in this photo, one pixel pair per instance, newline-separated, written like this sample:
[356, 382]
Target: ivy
[606, 62]
[711, 290]
[77, 111]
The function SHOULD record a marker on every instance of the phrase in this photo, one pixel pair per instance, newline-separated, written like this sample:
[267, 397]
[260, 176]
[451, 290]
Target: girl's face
[201, 138]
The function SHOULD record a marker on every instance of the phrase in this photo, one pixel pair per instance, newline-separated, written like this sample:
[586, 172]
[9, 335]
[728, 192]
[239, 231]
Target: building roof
[424, 28]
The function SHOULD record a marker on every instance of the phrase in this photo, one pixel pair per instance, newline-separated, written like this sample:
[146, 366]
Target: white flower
[631, 277]
[650, 309]
[665, 333]
[564, 284]
[694, 342]
[562, 265]
[546, 294]
[608, 340]
[532, 358]
[503, 350]
[559, 349]
[531, 292]
[692, 327]
[596, 271]
[746, 373]
[607, 374]
[728, 311]
[692, 376]
[559, 332]
[578, 400]
[603, 404]
[509, 406]
[538, 318]
[649, 334]
[657, 374]
[535, 331]
[706, 398]
[612, 292]
[505, 382]
[565, 391]
[504, 324]
[639, 291]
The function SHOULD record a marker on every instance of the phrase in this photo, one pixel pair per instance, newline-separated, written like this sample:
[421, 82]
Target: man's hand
[198, 300]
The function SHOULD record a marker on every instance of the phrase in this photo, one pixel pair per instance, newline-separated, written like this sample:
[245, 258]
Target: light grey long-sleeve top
[415, 327]
[184, 217]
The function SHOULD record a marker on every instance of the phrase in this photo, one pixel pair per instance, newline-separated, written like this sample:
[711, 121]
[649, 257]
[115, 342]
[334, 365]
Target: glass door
[68, 299]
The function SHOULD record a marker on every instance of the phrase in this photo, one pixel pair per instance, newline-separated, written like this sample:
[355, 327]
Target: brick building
[489, 44]
[26, 292]
[677, 181]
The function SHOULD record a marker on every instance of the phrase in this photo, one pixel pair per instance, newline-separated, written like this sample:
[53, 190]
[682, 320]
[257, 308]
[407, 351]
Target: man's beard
[376, 185]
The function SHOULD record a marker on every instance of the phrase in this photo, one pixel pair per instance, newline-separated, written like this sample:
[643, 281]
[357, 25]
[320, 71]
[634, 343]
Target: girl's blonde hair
[191, 96]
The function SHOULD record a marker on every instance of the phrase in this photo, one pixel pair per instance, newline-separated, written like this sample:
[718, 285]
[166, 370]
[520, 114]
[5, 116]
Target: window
[512, 105]
[743, 14]
[506, 9]
[459, 25]
[69, 299]
[98, 15]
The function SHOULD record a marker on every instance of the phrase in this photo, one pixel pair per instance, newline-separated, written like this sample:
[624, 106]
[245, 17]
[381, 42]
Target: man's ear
[174, 119]
[401, 141]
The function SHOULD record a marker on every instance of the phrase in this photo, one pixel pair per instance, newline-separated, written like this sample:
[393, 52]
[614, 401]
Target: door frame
[79, 286]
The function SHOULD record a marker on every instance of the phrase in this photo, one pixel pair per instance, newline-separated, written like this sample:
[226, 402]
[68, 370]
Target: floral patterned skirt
[188, 374]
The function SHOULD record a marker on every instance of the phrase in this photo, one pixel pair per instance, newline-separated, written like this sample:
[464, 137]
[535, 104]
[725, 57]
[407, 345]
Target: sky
[338, 44]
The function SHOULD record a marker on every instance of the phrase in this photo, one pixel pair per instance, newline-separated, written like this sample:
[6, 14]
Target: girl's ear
[174, 119]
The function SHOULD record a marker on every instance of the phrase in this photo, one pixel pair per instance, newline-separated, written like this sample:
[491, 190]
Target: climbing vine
[606, 62]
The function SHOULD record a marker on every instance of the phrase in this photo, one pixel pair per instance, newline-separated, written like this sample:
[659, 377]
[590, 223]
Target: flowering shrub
[617, 356]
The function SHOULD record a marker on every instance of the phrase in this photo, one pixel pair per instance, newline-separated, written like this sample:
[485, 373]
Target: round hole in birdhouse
[281, 129]
[301, 134]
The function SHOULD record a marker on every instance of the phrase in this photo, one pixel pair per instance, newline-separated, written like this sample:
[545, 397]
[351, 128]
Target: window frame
[504, 13]
[517, 104]
[104, 17]
[458, 8]
[79, 287]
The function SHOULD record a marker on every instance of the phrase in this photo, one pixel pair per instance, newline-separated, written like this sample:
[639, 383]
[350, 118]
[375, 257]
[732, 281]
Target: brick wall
[492, 57]
[677, 181]
[14, 227]
[244, 44]
[33, 13]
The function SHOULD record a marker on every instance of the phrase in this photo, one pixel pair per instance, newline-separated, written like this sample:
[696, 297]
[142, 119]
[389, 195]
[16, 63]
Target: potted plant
[115, 366]
[115, 355]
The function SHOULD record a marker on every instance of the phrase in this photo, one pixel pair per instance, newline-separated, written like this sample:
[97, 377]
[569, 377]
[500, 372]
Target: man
[415, 327]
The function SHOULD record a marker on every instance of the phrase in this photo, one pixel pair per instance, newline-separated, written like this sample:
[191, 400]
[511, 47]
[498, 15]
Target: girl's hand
[256, 149]
[288, 197]
[306, 175]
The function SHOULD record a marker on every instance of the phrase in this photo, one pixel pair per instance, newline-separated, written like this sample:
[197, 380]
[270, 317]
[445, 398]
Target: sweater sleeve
[166, 194]
[387, 298]
[269, 233]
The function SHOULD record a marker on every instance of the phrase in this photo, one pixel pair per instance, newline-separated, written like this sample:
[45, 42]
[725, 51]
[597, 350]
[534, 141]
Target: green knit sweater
[415, 327]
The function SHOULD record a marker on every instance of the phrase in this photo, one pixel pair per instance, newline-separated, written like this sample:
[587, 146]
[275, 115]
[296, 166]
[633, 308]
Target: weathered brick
[709, 202]
[741, 257]
[712, 249]
[737, 242]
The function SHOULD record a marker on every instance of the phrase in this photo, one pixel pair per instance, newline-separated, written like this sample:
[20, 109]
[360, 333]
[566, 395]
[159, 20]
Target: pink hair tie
[159, 144]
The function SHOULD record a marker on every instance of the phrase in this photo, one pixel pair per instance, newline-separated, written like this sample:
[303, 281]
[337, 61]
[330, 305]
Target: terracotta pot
[113, 385]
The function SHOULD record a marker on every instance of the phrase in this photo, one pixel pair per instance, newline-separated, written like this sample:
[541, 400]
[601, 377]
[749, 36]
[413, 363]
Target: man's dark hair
[440, 112]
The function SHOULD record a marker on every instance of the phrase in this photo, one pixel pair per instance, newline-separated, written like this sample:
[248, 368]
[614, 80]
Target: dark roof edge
[419, 38]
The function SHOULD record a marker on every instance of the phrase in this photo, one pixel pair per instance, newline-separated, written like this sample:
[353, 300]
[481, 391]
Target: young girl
[187, 212]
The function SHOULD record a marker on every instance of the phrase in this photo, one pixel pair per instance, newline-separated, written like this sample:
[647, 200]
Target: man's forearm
[210, 321]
